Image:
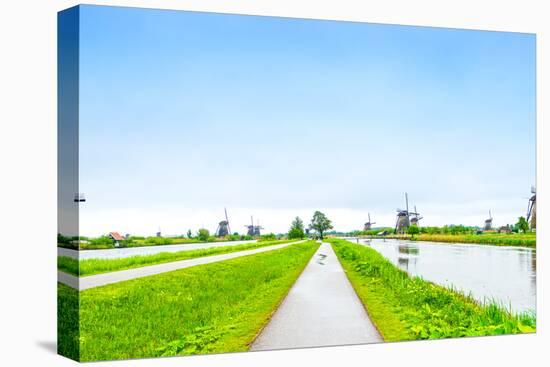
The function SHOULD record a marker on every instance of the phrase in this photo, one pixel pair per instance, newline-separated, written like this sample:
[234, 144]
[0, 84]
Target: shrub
[203, 235]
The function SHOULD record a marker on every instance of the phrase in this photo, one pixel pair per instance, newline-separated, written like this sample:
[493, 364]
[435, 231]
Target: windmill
[257, 228]
[368, 225]
[488, 223]
[532, 209]
[253, 230]
[416, 217]
[403, 218]
[223, 227]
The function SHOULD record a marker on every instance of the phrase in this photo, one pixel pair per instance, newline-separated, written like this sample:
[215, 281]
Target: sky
[185, 113]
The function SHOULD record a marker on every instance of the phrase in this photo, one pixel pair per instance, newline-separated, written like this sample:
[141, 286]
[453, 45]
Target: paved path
[321, 309]
[115, 253]
[98, 280]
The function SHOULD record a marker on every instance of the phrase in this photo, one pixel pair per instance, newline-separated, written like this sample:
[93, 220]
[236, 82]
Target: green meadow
[98, 266]
[218, 307]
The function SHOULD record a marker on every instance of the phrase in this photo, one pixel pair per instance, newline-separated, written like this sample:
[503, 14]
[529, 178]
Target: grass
[105, 242]
[410, 308]
[67, 322]
[212, 308]
[498, 239]
[98, 266]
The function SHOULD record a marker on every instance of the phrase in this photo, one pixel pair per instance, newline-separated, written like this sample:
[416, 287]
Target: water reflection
[506, 275]
[410, 250]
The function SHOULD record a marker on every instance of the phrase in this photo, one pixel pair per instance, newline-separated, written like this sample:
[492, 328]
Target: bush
[413, 230]
[268, 237]
[102, 241]
[158, 241]
[203, 235]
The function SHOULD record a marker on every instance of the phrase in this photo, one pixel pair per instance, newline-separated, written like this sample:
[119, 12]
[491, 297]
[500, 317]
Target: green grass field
[67, 322]
[212, 308]
[498, 239]
[409, 308]
[98, 266]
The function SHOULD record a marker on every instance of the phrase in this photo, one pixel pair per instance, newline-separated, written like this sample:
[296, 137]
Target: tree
[203, 235]
[320, 223]
[522, 224]
[296, 229]
[189, 234]
[413, 230]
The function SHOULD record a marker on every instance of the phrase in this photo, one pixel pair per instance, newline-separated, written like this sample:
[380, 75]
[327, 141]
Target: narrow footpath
[92, 281]
[321, 309]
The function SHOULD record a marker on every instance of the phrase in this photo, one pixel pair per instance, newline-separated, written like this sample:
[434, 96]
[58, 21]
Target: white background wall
[28, 180]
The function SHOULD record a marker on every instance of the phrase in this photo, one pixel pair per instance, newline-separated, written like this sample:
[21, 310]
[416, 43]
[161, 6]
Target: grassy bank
[98, 266]
[406, 308]
[212, 308]
[498, 239]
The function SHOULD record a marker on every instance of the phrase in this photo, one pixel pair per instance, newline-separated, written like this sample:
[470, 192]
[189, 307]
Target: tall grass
[97, 266]
[212, 308]
[407, 308]
[498, 239]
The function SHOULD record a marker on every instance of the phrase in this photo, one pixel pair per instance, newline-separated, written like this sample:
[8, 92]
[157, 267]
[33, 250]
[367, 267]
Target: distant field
[105, 243]
[212, 308]
[499, 239]
[97, 266]
[410, 308]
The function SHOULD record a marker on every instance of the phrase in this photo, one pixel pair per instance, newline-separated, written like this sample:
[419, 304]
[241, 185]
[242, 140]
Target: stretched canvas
[232, 183]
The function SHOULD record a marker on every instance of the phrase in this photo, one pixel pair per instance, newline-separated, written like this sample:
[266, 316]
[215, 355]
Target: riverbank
[409, 308]
[495, 239]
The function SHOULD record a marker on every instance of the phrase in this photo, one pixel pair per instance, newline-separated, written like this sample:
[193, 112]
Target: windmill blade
[227, 220]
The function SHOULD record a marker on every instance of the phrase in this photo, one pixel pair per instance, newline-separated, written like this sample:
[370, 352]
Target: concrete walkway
[99, 280]
[321, 309]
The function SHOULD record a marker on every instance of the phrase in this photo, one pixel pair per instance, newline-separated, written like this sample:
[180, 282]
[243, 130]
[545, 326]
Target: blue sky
[185, 113]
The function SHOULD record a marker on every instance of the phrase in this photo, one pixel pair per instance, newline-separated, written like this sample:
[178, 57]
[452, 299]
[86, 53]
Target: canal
[506, 275]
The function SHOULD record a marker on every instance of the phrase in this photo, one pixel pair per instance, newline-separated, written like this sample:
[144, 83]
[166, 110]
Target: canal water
[506, 275]
[116, 253]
